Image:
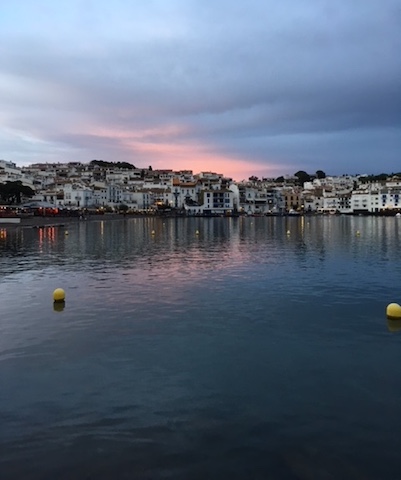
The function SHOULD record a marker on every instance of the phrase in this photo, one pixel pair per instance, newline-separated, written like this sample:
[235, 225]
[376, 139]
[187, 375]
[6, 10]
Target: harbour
[192, 348]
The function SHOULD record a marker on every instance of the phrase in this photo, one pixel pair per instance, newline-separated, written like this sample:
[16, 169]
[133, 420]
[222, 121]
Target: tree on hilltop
[302, 177]
[120, 165]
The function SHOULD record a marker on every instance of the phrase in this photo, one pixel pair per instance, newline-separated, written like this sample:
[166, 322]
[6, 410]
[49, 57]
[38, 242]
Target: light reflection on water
[243, 351]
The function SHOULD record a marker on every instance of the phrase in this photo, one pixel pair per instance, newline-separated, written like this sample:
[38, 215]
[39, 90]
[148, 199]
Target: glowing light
[169, 147]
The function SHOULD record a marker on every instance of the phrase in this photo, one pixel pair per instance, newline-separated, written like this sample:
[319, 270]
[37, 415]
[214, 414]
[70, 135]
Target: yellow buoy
[59, 295]
[393, 311]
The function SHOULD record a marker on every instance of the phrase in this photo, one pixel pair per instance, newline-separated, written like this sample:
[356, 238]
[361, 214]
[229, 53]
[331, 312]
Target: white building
[77, 196]
[215, 202]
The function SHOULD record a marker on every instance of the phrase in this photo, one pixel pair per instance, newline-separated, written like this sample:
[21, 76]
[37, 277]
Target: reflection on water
[394, 325]
[213, 348]
[238, 240]
[58, 306]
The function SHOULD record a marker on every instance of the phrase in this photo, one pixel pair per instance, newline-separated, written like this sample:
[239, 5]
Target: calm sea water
[249, 348]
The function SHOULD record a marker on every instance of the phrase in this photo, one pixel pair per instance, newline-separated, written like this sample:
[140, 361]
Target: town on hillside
[99, 187]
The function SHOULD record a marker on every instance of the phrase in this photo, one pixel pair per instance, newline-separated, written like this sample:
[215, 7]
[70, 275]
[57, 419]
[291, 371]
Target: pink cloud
[154, 147]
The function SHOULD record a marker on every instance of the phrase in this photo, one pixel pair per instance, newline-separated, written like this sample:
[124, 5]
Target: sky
[261, 87]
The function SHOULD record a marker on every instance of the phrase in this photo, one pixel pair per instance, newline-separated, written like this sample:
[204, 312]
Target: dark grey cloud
[314, 84]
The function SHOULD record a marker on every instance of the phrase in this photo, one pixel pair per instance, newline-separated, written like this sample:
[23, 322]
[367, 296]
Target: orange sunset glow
[143, 148]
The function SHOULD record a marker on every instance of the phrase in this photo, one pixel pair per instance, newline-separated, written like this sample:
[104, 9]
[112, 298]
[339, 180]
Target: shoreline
[38, 222]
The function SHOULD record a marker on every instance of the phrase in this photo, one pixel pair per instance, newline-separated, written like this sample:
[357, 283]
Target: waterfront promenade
[38, 221]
